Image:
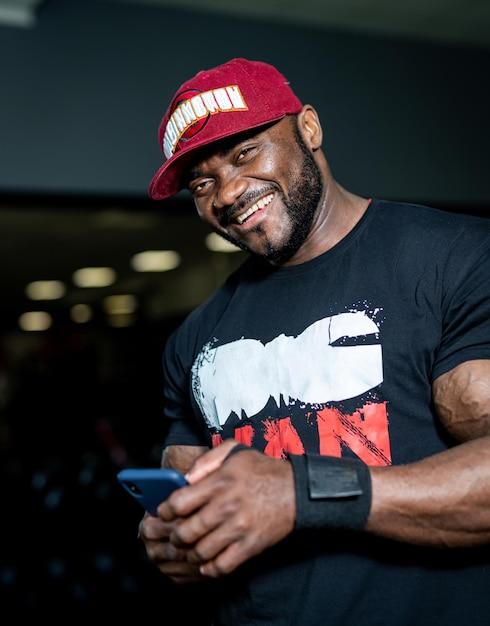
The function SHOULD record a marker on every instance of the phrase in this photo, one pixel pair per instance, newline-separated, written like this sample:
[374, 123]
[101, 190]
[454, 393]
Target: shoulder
[201, 321]
[430, 235]
[428, 218]
[214, 306]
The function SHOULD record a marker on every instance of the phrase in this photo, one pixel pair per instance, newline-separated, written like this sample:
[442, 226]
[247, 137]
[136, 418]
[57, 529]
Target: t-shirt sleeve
[465, 305]
[184, 433]
[182, 427]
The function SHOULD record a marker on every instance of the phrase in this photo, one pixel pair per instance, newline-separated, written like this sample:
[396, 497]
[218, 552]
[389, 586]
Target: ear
[310, 127]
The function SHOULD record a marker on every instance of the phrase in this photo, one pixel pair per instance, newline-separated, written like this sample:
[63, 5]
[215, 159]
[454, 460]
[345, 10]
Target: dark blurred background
[401, 88]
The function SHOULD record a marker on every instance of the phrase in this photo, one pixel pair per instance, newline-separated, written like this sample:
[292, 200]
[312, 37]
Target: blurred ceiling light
[45, 290]
[121, 321]
[155, 261]
[120, 305]
[94, 277]
[216, 243]
[81, 313]
[19, 12]
[35, 320]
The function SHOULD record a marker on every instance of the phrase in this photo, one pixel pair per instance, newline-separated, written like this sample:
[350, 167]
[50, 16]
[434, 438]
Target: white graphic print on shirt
[334, 359]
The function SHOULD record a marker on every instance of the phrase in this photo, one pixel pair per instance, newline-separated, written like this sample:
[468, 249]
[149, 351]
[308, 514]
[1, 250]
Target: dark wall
[84, 91]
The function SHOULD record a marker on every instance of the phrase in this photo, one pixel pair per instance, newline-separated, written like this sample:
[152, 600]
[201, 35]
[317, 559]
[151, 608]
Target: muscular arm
[443, 500]
[235, 509]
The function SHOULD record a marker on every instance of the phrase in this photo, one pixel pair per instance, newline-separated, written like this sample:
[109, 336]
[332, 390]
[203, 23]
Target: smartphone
[150, 487]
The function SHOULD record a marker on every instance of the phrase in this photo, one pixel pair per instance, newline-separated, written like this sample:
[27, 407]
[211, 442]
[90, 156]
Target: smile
[263, 202]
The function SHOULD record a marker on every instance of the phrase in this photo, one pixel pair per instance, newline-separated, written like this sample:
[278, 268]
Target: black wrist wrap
[331, 492]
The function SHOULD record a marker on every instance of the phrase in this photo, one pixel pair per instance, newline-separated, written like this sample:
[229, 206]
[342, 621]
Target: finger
[187, 500]
[212, 543]
[180, 571]
[226, 561]
[196, 527]
[166, 551]
[153, 528]
[169, 559]
[210, 461]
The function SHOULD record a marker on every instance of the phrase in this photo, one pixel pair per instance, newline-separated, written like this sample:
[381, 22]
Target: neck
[339, 211]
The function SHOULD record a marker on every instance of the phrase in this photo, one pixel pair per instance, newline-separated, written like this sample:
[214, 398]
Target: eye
[245, 153]
[199, 187]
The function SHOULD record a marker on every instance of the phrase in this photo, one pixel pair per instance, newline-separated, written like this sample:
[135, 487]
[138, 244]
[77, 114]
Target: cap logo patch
[192, 109]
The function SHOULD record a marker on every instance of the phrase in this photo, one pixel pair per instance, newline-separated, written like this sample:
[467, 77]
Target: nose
[229, 188]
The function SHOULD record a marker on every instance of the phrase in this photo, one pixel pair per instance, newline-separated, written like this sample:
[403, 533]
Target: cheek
[283, 166]
[270, 165]
[207, 215]
[198, 209]
[204, 211]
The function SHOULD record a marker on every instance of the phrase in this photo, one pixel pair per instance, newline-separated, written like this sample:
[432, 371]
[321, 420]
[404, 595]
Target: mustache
[246, 199]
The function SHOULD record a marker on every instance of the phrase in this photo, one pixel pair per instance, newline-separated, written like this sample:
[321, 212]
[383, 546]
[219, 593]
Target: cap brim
[168, 179]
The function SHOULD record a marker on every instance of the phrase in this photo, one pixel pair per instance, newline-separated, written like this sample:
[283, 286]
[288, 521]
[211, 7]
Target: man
[330, 404]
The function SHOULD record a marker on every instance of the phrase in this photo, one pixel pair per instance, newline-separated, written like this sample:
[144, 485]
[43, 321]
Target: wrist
[331, 492]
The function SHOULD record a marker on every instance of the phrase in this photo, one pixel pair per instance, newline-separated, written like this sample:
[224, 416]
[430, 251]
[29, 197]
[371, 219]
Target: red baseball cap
[216, 103]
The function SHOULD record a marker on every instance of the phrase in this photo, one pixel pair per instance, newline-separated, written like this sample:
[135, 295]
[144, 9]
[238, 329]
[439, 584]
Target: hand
[210, 461]
[244, 505]
[170, 560]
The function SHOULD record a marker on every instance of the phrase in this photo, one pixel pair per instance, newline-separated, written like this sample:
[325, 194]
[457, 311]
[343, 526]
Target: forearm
[181, 458]
[441, 501]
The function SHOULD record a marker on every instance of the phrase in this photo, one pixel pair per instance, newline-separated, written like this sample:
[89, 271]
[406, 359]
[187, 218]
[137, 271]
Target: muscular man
[330, 403]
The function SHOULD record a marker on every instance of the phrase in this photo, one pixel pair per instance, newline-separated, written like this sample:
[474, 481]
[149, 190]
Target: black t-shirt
[337, 356]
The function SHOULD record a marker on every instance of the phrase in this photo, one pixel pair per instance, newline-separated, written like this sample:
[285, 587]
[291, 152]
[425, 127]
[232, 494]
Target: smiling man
[330, 403]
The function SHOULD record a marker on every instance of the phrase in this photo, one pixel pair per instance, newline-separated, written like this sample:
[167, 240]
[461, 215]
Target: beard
[301, 204]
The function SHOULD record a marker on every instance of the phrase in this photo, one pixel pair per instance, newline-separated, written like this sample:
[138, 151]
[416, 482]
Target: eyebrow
[191, 175]
[195, 171]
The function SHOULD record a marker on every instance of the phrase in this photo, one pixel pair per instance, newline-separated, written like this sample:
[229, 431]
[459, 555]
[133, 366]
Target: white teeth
[241, 218]
[255, 207]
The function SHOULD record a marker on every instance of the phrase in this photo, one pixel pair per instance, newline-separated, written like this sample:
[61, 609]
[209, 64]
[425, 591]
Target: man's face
[260, 190]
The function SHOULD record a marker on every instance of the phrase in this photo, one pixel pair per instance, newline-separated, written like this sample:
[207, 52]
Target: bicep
[462, 399]
[181, 458]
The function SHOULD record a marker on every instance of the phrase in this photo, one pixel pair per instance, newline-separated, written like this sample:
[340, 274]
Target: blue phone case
[150, 487]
